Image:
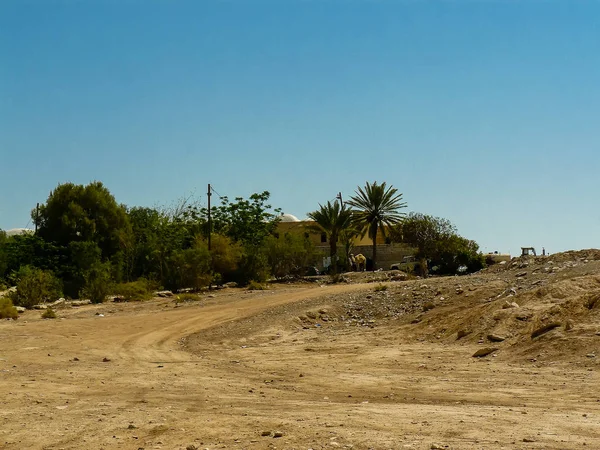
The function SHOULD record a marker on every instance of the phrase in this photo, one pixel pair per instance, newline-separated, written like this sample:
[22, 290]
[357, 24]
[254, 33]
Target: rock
[484, 352]
[544, 329]
[462, 333]
[521, 274]
[20, 309]
[524, 315]
[528, 440]
[399, 277]
[60, 301]
[80, 302]
[322, 311]
[568, 325]
[118, 299]
[163, 294]
[311, 315]
[428, 306]
[459, 291]
[512, 291]
[277, 434]
[591, 355]
[133, 427]
[40, 307]
[508, 305]
[231, 284]
[438, 447]
[191, 447]
[105, 359]
[265, 433]
[496, 337]
[211, 296]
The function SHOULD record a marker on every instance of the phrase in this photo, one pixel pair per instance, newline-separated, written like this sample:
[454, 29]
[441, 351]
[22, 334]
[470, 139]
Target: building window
[323, 237]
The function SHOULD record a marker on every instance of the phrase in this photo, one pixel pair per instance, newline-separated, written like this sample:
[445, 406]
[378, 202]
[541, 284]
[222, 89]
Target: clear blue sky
[483, 112]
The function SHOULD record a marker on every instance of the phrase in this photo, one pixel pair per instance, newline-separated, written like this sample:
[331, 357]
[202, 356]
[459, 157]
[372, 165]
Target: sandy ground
[239, 370]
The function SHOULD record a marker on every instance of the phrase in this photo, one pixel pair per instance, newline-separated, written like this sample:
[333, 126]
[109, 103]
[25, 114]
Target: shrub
[97, 283]
[256, 286]
[49, 314]
[7, 310]
[381, 287]
[134, 291]
[35, 286]
[187, 297]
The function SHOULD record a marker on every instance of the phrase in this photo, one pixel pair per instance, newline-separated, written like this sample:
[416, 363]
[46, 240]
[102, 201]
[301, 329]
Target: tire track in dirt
[157, 342]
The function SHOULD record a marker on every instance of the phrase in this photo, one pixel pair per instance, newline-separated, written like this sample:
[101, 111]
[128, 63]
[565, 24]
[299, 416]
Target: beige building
[387, 253]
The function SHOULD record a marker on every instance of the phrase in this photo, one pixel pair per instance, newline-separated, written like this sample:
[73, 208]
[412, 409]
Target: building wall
[387, 254]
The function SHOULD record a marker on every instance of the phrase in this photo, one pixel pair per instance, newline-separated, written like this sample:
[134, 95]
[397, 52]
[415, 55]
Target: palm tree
[377, 206]
[332, 219]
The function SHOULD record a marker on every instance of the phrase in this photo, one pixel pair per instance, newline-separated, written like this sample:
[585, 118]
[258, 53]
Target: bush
[187, 297]
[7, 310]
[381, 287]
[256, 286]
[97, 283]
[49, 314]
[134, 291]
[35, 286]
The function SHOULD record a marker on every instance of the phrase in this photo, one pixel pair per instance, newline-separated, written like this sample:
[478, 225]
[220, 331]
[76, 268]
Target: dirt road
[222, 372]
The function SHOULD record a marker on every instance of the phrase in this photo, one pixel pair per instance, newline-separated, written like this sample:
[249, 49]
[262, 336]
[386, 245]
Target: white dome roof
[15, 231]
[289, 218]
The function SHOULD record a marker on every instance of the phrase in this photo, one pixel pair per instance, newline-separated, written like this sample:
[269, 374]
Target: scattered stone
[591, 355]
[118, 299]
[105, 359]
[484, 352]
[438, 447]
[76, 359]
[524, 315]
[133, 427]
[163, 294]
[265, 433]
[459, 291]
[191, 447]
[496, 337]
[277, 434]
[508, 305]
[60, 301]
[20, 309]
[428, 306]
[528, 440]
[543, 330]
[40, 307]
[568, 325]
[462, 333]
[231, 284]
[80, 302]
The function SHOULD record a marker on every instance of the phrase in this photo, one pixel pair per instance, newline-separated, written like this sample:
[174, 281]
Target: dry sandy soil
[351, 365]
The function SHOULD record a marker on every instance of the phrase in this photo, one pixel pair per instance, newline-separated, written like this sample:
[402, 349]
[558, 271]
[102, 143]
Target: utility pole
[209, 221]
[339, 196]
[37, 214]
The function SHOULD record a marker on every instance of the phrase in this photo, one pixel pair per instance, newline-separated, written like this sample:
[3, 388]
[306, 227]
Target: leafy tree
[438, 243]
[246, 221]
[190, 268]
[289, 255]
[225, 255]
[376, 207]
[333, 220]
[423, 232]
[77, 213]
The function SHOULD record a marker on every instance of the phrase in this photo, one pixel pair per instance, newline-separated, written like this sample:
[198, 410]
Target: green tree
[225, 256]
[77, 213]
[438, 242]
[98, 282]
[376, 207]
[289, 255]
[333, 220]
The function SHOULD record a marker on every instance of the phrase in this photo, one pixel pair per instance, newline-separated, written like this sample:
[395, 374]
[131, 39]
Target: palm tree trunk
[375, 248]
[333, 252]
